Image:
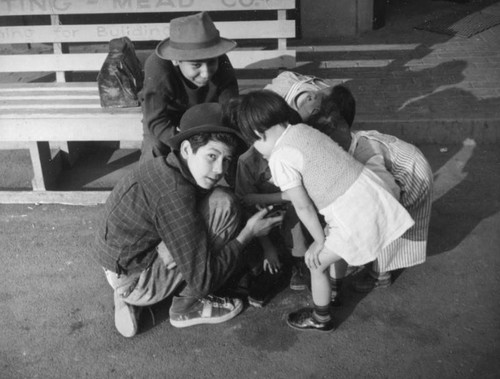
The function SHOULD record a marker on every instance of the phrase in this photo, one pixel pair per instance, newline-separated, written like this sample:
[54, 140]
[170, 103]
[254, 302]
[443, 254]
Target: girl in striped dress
[403, 168]
[317, 175]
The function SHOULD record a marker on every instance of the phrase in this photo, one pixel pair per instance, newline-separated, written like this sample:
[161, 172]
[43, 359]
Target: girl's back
[326, 170]
[403, 160]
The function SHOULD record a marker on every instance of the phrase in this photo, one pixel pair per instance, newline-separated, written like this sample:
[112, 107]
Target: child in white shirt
[316, 175]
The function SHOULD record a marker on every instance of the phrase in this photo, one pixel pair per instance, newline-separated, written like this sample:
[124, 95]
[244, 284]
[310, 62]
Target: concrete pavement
[438, 320]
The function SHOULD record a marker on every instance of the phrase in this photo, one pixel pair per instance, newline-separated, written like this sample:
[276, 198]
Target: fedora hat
[201, 118]
[193, 37]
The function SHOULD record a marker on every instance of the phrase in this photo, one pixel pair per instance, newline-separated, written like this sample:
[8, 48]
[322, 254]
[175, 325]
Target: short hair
[201, 139]
[346, 104]
[337, 110]
[260, 110]
[230, 112]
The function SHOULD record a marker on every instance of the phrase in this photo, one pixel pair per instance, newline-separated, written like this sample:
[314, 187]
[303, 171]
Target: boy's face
[310, 103]
[209, 163]
[199, 72]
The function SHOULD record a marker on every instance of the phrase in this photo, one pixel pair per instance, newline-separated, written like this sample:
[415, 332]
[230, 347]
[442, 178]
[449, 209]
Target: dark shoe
[209, 310]
[303, 320]
[336, 286]
[335, 301]
[126, 317]
[263, 287]
[300, 277]
[367, 282]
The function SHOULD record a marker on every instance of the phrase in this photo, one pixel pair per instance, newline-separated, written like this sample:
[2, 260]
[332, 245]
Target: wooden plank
[45, 167]
[81, 87]
[72, 129]
[92, 62]
[54, 197]
[47, 7]
[270, 29]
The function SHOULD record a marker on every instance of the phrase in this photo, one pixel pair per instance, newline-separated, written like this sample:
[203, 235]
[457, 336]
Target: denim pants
[162, 278]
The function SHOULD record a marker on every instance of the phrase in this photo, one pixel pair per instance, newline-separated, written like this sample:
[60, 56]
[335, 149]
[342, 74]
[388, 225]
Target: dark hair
[201, 139]
[343, 98]
[260, 110]
[337, 110]
[230, 112]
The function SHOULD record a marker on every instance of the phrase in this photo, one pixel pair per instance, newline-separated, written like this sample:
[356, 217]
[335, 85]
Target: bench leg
[45, 167]
[70, 150]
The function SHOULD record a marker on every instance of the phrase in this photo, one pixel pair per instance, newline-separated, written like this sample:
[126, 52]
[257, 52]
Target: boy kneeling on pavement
[169, 230]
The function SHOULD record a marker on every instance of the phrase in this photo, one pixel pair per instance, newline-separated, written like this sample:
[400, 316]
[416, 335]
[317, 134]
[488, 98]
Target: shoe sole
[310, 329]
[369, 289]
[207, 320]
[256, 303]
[298, 287]
[126, 322]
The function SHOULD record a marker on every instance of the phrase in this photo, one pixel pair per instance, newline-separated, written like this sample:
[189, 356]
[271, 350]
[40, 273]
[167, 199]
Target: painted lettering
[122, 4]
[186, 3]
[243, 3]
[8, 34]
[143, 4]
[61, 5]
[40, 4]
[247, 3]
[165, 3]
[227, 3]
[8, 3]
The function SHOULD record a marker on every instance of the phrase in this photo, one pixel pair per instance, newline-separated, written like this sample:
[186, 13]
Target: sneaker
[126, 317]
[209, 310]
[300, 277]
[303, 320]
[367, 282]
[263, 287]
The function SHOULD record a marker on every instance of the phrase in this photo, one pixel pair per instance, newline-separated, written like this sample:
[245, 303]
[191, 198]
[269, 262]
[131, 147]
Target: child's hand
[272, 262]
[258, 225]
[312, 255]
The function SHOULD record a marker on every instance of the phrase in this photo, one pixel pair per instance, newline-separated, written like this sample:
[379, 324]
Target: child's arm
[252, 199]
[371, 154]
[271, 258]
[307, 213]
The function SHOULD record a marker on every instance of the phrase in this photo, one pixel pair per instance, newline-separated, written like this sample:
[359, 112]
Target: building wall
[324, 19]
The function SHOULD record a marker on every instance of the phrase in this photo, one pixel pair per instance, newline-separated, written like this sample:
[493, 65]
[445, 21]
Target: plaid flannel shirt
[158, 201]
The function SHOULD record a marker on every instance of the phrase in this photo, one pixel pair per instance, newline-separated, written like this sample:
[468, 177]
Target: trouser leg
[222, 214]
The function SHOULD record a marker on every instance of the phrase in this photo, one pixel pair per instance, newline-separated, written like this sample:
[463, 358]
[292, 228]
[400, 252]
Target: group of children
[372, 190]
[346, 198]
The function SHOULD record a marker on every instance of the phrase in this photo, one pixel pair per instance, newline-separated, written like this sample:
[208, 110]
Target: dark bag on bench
[121, 76]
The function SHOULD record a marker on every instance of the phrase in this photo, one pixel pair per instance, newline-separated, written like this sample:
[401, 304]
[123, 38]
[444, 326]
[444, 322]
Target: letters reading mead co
[18, 7]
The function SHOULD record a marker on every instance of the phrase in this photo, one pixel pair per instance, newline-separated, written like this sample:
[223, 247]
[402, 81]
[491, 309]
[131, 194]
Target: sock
[336, 285]
[380, 275]
[321, 313]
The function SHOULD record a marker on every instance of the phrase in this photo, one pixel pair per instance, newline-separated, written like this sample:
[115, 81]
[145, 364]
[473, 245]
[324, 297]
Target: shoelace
[215, 301]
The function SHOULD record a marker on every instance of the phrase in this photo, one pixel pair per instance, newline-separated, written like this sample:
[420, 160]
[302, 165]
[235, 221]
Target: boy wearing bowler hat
[168, 230]
[188, 68]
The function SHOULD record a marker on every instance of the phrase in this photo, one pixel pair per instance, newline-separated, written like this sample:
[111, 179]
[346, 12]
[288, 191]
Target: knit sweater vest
[328, 171]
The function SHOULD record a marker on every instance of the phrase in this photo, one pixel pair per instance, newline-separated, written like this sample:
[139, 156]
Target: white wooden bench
[51, 37]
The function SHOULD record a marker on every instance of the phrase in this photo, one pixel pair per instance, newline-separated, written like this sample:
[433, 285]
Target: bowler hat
[201, 118]
[193, 37]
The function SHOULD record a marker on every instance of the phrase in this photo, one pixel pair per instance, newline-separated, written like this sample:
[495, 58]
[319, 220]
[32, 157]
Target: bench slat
[124, 127]
[41, 7]
[139, 32]
[93, 62]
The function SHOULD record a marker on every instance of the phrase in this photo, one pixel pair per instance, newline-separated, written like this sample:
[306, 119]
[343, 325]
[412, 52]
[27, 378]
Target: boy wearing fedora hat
[168, 231]
[188, 68]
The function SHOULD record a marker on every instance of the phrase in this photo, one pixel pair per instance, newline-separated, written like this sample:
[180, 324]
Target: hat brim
[175, 141]
[165, 51]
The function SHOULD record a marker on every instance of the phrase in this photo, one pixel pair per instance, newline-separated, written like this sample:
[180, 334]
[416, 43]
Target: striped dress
[413, 174]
